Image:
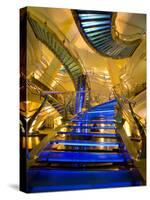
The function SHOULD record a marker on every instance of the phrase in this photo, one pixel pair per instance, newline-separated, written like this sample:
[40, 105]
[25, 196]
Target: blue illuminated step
[84, 157]
[101, 111]
[104, 135]
[85, 143]
[43, 180]
[94, 16]
[107, 104]
[107, 107]
[103, 108]
[92, 127]
[93, 115]
[94, 121]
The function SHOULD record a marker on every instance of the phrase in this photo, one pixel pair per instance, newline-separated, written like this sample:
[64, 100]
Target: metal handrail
[125, 37]
[130, 114]
[58, 83]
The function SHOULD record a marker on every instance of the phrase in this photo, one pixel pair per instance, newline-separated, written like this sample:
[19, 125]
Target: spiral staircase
[51, 40]
[97, 28]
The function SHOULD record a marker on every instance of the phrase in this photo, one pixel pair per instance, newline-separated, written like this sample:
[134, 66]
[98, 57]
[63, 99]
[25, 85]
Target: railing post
[142, 133]
[80, 96]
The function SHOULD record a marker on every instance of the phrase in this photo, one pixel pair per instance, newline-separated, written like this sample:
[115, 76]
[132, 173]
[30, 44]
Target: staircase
[97, 28]
[35, 87]
[90, 154]
[54, 43]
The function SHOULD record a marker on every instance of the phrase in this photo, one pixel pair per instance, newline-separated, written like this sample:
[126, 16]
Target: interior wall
[114, 68]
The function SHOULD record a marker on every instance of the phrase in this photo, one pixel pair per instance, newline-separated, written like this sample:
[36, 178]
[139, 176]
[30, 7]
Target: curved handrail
[125, 37]
[46, 33]
[130, 114]
[57, 82]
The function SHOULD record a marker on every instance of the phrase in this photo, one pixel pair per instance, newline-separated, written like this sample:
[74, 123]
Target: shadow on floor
[14, 187]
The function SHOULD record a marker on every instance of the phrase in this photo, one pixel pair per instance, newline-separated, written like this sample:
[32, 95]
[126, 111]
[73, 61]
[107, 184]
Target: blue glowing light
[42, 180]
[100, 37]
[99, 33]
[93, 16]
[84, 157]
[87, 30]
[85, 143]
[93, 127]
[104, 135]
[94, 23]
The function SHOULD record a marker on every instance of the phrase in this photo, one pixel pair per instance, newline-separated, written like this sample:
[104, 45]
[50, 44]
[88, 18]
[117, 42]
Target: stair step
[81, 157]
[94, 16]
[93, 121]
[97, 41]
[95, 23]
[92, 127]
[90, 118]
[100, 111]
[111, 102]
[85, 143]
[93, 29]
[99, 33]
[76, 179]
[92, 134]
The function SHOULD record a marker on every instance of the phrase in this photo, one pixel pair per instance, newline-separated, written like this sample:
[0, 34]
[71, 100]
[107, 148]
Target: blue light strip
[93, 16]
[100, 121]
[100, 37]
[104, 135]
[99, 41]
[95, 23]
[85, 143]
[87, 30]
[93, 127]
[98, 33]
[67, 156]
[101, 111]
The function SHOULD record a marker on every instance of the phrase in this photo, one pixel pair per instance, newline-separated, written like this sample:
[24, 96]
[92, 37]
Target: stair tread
[92, 134]
[88, 127]
[100, 111]
[94, 121]
[79, 179]
[84, 143]
[81, 157]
